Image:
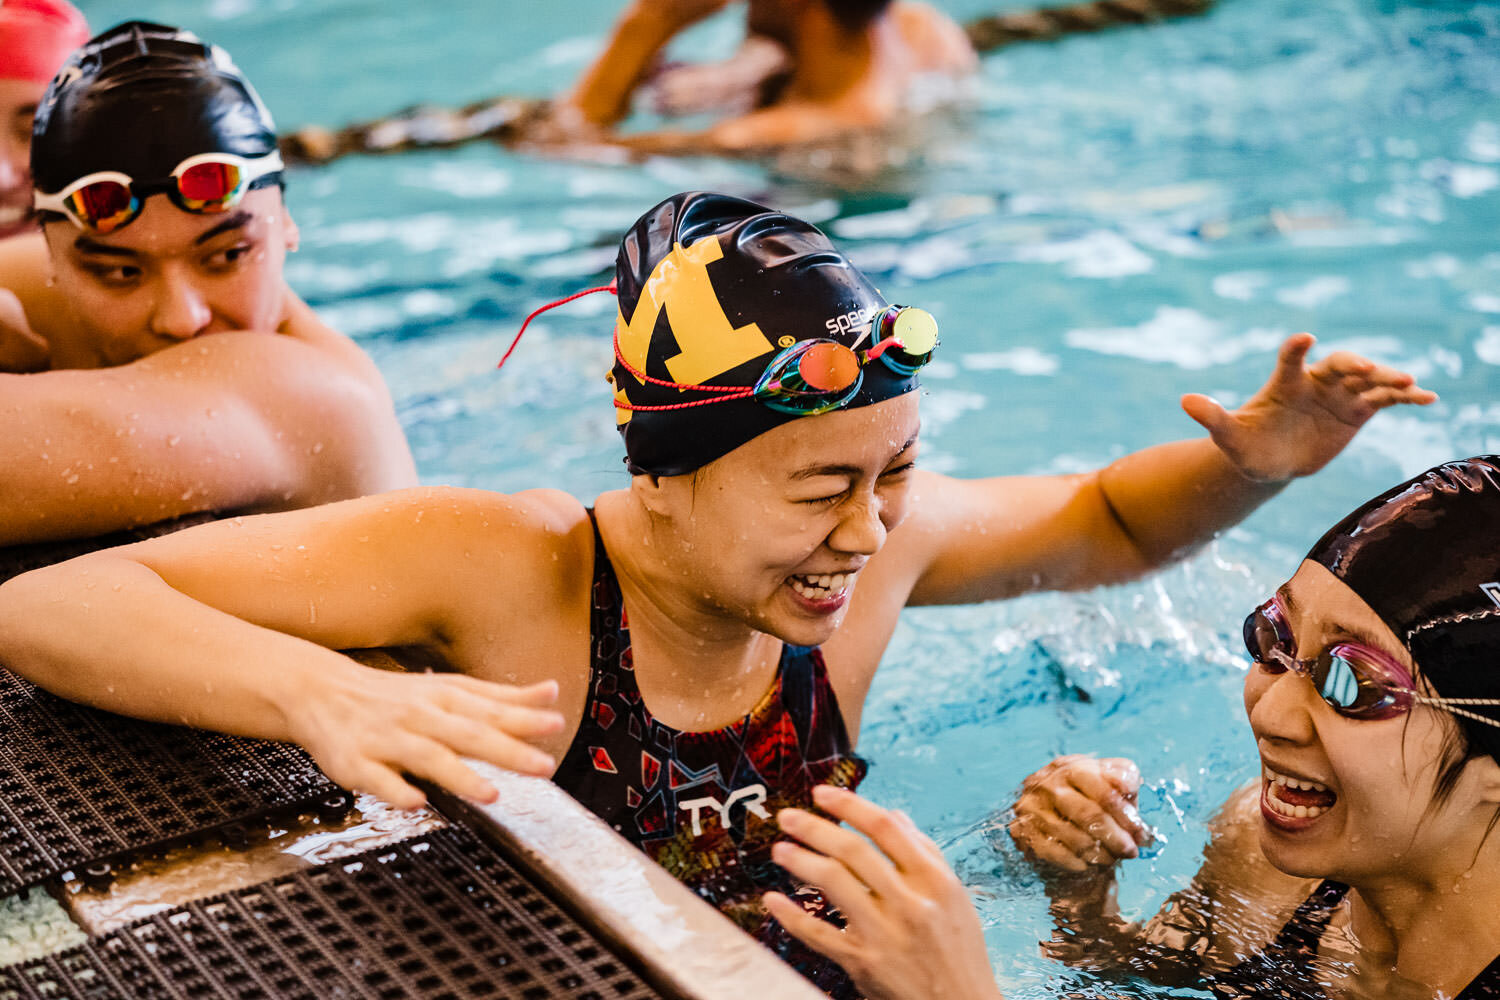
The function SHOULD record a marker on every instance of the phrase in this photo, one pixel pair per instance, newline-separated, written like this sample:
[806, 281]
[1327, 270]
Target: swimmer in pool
[691, 654]
[1363, 861]
[809, 70]
[177, 372]
[35, 37]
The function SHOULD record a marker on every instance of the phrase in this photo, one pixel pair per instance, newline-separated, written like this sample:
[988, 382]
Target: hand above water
[912, 932]
[1305, 414]
[1079, 813]
[367, 728]
[21, 350]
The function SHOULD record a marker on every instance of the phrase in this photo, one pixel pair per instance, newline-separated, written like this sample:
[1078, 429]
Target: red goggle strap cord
[611, 288]
[731, 391]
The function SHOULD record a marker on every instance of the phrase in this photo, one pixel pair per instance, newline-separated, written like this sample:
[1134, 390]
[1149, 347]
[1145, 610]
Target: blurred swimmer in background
[809, 70]
[35, 37]
[174, 372]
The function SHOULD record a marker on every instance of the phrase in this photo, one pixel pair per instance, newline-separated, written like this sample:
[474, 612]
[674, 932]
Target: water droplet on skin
[172, 441]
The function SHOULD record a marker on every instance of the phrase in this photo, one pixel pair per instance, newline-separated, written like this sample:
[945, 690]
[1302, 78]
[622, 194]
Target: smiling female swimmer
[708, 633]
[1364, 860]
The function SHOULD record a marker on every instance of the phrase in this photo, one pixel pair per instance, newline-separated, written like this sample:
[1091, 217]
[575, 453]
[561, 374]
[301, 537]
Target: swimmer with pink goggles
[1356, 681]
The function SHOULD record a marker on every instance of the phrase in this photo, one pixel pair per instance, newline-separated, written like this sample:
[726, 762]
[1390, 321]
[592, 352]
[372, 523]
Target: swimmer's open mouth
[822, 588]
[1295, 798]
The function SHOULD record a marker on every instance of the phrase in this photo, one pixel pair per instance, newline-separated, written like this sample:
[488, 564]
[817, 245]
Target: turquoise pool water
[1117, 220]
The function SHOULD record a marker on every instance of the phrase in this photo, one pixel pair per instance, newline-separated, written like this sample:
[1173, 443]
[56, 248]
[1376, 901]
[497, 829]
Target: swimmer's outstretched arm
[232, 626]
[976, 540]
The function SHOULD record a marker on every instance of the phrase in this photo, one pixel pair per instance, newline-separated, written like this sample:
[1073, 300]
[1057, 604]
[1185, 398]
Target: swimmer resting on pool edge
[678, 628]
[178, 373]
[1364, 861]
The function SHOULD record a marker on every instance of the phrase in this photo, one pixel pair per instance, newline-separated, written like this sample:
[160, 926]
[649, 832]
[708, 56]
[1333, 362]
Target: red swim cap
[36, 36]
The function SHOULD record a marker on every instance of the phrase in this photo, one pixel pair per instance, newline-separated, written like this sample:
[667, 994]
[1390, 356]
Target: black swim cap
[140, 98]
[710, 289]
[1425, 556]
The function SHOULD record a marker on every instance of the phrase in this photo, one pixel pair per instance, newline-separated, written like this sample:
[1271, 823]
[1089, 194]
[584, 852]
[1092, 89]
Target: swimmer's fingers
[540, 694]
[1098, 788]
[894, 839]
[1381, 397]
[926, 843]
[1096, 821]
[383, 782]
[1290, 370]
[1055, 841]
[819, 935]
[527, 718]
[473, 738]
[428, 758]
[842, 887]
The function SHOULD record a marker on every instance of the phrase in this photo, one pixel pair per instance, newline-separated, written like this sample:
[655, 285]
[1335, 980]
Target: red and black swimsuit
[703, 804]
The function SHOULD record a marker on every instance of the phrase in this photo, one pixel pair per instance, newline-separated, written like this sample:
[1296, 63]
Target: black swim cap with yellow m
[711, 288]
[1425, 556]
[139, 99]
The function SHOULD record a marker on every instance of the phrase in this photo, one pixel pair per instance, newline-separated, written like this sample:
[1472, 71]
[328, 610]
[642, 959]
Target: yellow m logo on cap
[708, 346]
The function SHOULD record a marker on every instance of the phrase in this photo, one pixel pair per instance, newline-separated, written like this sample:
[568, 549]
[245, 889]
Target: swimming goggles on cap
[204, 184]
[1356, 681]
[809, 377]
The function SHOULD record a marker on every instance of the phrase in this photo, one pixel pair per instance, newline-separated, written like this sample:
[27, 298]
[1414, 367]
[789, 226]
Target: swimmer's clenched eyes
[889, 475]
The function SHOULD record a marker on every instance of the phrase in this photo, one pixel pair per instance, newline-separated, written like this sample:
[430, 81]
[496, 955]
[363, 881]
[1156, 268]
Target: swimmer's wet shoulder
[173, 345]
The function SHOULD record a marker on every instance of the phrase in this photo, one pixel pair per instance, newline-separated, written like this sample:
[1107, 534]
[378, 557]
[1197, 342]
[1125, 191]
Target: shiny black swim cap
[1425, 556]
[710, 289]
[140, 98]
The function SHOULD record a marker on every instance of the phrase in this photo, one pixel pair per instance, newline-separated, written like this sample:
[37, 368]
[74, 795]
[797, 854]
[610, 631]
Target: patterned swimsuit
[703, 804]
[1280, 972]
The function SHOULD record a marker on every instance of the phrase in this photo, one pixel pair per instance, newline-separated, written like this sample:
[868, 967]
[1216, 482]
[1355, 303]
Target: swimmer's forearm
[107, 631]
[602, 94]
[1173, 498]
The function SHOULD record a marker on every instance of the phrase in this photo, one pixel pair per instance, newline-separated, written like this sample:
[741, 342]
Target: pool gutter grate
[443, 916]
[79, 787]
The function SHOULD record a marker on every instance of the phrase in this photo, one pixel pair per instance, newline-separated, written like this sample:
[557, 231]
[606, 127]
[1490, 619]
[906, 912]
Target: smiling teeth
[820, 588]
[1281, 779]
[1286, 808]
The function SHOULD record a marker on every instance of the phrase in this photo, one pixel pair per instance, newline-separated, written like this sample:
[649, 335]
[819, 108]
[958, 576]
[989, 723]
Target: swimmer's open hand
[1305, 414]
[21, 350]
[367, 728]
[912, 934]
[1079, 812]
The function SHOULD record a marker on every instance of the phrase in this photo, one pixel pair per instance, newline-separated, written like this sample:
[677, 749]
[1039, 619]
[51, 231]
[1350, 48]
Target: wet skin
[18, 101]
[169, 276]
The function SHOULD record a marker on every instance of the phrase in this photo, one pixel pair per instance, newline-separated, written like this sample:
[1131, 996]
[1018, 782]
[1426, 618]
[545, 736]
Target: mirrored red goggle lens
[826, 368]
[104, 206]
[209, 186]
